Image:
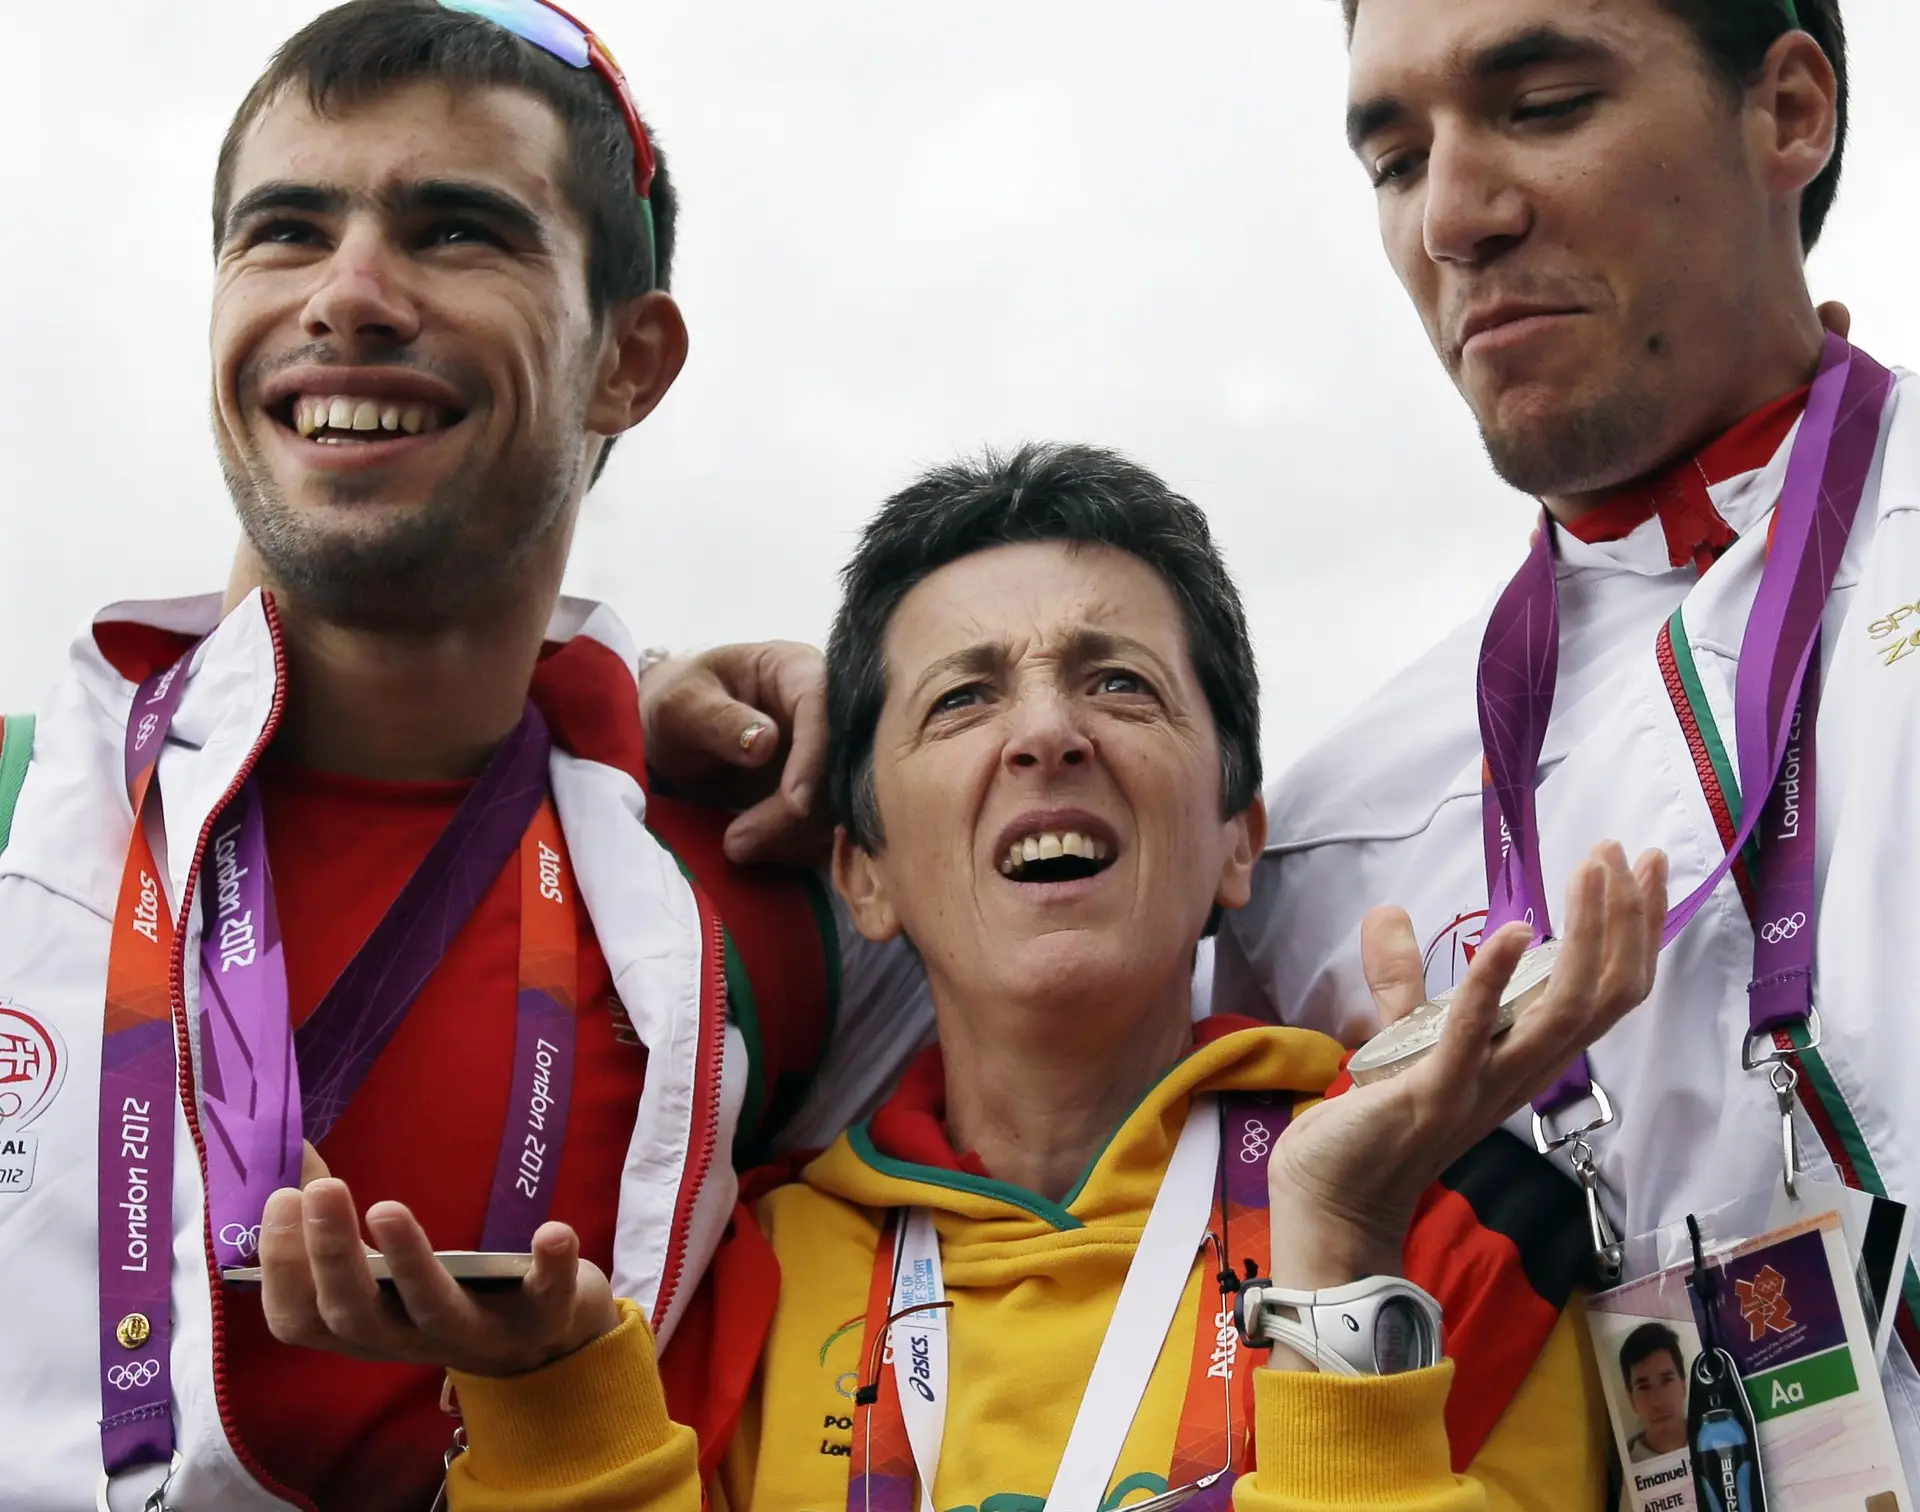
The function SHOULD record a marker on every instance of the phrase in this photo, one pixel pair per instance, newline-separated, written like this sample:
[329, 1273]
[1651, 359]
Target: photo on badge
[1788, 1310]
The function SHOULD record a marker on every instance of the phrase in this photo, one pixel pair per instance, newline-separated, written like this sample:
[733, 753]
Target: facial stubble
[414, 567]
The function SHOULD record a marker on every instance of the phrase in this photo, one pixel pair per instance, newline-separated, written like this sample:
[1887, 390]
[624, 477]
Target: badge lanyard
[1776, 702]
[901, 1416]
[262, 1085]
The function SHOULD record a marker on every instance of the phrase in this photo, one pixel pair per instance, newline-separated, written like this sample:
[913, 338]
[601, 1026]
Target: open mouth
[1056, 856]
[350, 420]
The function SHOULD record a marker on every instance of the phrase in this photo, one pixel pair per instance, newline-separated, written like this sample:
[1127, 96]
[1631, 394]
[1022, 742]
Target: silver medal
[1400, 1046]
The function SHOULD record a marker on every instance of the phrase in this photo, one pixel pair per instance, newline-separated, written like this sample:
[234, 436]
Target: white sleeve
[885, 1019]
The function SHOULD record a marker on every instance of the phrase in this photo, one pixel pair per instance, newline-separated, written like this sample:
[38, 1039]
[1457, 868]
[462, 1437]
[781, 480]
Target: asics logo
[1778, 931]
[244, 1239]
[133, 1376]
[1255, 1140]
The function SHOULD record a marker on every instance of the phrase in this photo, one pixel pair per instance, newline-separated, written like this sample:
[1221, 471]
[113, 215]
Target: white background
[908, 228]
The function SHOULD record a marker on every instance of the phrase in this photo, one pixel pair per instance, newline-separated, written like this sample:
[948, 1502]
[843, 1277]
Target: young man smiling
[364, 852]
[1601, 213]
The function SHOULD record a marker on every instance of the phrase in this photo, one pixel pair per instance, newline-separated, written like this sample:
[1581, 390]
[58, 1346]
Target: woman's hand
[1346, 1177]
[319, 1292]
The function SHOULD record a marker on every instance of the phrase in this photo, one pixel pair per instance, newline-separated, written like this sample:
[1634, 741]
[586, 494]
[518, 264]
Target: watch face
[1402, 1337]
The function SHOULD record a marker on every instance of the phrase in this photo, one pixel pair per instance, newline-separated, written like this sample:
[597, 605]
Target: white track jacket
[59, 878]
[1387, 809]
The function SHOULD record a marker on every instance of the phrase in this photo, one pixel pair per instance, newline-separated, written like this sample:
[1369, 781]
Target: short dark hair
[361, 50]
[1646, 1341]
[1076, 495]
[1735, 37]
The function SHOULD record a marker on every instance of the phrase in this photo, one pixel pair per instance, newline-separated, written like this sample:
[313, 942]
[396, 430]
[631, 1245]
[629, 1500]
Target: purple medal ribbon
[1776, 703]
[339, 1043]
[249, 1087]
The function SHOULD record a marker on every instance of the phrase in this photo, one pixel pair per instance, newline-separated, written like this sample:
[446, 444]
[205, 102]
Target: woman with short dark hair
[1091, 1251]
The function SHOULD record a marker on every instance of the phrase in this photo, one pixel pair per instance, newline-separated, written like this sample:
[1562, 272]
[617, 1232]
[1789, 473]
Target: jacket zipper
[708, 1064]
[1703, 769]
[189, 1093]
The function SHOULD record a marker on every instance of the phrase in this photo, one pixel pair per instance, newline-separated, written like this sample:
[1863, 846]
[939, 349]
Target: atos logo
[33, 1063]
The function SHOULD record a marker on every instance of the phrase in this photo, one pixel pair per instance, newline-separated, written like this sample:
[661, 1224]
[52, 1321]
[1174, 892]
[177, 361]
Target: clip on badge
[1720, 1432]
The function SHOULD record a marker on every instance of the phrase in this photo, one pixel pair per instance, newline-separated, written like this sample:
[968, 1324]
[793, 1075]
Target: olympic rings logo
[1255, 1140]
[1778, 931]
[132, 1377]
[244, 1239]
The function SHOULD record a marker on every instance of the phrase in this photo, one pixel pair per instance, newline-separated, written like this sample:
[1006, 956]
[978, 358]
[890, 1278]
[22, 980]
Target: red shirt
[1677, 494]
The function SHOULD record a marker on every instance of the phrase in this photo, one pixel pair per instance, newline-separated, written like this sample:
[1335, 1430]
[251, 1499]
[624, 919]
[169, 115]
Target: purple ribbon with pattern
[1776, 703]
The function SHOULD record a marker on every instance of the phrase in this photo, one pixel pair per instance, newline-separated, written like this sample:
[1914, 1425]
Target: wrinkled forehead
[416, 132]
[1047, 600]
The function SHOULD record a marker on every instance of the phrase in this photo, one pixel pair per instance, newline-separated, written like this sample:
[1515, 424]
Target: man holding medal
[1602, 215]
[362, 858]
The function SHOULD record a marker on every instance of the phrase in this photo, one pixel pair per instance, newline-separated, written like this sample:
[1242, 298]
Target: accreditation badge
[1748, 1379]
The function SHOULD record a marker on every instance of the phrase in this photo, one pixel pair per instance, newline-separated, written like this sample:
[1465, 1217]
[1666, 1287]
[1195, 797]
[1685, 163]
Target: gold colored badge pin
[134, 1330]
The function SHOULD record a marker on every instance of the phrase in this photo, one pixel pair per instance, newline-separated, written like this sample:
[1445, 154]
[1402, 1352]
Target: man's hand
[1836, 318]
[716, 725]
[1347, 1175]
[318, 1291]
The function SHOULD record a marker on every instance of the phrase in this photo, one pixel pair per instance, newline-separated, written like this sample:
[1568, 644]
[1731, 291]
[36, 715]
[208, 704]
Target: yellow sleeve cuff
[595, 1413]
[1324, 1442]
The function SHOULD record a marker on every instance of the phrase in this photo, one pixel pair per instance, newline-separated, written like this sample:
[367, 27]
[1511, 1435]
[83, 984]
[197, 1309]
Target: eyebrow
[426, 196]
[1083, 646]
[1530, 49]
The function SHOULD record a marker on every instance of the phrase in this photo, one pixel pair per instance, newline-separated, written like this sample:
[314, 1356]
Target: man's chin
[1557, 445]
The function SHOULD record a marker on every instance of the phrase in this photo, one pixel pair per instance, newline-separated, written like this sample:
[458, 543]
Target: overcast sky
[908, 229]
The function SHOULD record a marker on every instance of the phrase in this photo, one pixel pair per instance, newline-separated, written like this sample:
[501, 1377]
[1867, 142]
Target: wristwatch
[1380, 1326]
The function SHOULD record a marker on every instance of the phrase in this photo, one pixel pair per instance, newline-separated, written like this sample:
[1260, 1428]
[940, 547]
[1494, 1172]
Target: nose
[1045, 737]
[1474, 210]
[362, 293]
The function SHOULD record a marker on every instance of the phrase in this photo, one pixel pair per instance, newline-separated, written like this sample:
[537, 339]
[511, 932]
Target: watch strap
[1335, 1327]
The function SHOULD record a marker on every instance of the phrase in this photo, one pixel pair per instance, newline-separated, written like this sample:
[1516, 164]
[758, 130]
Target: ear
[646, 346]
[857, 878]
[1247, 838]
[1799, 114]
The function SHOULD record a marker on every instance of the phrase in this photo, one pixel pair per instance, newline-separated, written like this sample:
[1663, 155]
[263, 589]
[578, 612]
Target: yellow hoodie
[1033, 1286]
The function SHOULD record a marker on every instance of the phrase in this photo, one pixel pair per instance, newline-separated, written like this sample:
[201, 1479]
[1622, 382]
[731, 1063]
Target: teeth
[1049, 847]
[313, 413]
